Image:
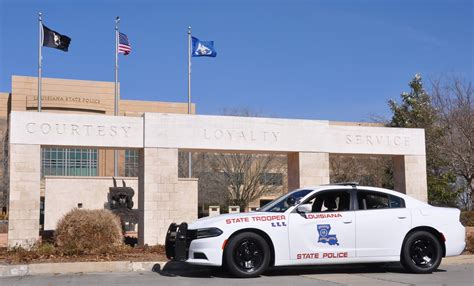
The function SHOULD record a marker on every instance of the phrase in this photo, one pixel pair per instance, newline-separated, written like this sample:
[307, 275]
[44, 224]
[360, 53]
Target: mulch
[21, 256]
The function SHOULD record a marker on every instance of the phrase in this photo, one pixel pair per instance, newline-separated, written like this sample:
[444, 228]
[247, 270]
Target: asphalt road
[390, 275]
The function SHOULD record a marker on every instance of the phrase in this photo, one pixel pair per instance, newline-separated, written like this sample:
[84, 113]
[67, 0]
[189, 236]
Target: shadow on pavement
[183, 269]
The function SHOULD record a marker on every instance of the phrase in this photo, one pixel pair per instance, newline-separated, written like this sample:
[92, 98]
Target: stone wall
[65, 193]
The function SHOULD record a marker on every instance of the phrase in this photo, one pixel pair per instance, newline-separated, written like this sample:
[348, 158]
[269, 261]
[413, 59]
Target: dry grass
[88, 232]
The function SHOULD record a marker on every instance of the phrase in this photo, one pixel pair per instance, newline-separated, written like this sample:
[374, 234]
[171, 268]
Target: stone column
[409, 176]
[24, 208]
[162, 197]
[307, 169]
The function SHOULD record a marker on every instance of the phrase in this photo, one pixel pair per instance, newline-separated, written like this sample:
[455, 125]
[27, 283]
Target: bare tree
[454, 104]
[366, 170]
[249, 177]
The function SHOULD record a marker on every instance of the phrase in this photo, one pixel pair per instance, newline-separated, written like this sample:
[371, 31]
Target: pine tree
[417, 111]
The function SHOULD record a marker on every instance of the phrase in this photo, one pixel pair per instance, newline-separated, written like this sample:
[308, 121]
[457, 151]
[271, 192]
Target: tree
[248, 176]
[417, 111]
[454, 104]
[366, 170]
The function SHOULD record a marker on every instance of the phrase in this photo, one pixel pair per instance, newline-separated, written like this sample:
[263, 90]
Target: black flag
[55, 40]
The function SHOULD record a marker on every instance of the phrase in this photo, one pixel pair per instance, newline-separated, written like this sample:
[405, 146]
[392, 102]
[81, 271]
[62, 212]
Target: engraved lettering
[275, 135]
[205, 134]
[29, 127]
[230, 134]
[218, 134]
[369, 140]
[58, 129]
[125, 130]
[252, 137]
[74, 129]
[87, 129]
[113, 131]
[348, 139]
[396, 140]
[101, 130]
[45, 128]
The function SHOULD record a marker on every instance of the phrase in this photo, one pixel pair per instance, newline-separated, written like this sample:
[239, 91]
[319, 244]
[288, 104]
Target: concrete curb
[77, 267]
[129, 266]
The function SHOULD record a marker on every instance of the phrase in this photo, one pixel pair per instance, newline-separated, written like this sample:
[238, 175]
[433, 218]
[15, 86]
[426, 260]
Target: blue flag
[203, 48]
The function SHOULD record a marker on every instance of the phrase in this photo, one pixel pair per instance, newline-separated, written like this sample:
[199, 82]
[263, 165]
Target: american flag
[124, 46]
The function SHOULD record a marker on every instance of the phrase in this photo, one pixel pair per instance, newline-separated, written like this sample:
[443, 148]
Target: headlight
[208, 232]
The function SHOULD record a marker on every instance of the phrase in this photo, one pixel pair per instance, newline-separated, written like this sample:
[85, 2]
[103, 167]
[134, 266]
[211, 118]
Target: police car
[331, 224]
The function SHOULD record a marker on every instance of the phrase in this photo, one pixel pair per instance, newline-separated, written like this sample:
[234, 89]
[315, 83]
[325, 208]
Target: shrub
[467, 218]
[89, 232]
[470, 243]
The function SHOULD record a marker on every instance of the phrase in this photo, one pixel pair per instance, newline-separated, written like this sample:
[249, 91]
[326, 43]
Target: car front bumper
[181, 245]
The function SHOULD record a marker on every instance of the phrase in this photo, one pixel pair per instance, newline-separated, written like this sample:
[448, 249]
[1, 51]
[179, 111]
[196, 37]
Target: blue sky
[336, 60]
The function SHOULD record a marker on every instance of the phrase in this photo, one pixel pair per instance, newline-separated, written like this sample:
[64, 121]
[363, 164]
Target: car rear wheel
[421, 253]
[247, 255]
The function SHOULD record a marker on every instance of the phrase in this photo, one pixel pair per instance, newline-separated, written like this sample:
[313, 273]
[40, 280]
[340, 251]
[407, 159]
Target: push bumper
[177, 242]
[183, 244]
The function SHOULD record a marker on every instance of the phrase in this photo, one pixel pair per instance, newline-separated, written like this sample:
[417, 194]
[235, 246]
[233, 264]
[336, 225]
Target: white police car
[328, 224]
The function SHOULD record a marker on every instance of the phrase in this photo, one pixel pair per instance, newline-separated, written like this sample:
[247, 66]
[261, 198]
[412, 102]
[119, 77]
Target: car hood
[216, 221]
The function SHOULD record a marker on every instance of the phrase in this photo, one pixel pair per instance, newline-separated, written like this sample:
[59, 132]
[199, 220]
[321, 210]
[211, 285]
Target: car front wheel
[247, 255]
[421, 253]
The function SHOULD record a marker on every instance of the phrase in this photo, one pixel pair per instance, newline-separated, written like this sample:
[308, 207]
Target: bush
[88, 232]
[470, 243]
[467, 218]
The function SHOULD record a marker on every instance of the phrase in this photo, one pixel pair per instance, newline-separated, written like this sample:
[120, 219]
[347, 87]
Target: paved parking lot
[448, 274]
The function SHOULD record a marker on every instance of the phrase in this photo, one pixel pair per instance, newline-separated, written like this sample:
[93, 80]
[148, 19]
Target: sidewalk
[128, 266]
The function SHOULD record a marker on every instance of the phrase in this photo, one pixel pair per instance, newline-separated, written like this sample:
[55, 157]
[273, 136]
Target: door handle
[402, 217]
[347, 221]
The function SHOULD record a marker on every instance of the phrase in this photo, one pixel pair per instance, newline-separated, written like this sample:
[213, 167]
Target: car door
[382, 223]
[326, 233]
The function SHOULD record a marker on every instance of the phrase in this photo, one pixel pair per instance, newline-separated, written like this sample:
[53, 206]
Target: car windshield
[280, 204]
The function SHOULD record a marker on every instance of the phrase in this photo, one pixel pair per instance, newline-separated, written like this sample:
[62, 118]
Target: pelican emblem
[203, 50]
[57, 39]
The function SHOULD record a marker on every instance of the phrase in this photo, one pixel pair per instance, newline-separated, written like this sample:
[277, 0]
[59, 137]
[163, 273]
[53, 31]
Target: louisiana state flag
[203, 48]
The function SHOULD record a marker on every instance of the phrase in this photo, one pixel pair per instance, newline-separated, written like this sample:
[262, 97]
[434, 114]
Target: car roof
[348, 186]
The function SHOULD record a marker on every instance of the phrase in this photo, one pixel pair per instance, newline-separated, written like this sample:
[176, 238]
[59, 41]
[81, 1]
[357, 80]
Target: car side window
[396, 202]
[330, 201]
[368, 200]
[372, 200]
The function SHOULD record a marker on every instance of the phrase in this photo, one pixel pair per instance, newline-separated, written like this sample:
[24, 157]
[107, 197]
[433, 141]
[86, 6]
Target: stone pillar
[409, 176]
[162, 198]
[24, 208]
[307, 169]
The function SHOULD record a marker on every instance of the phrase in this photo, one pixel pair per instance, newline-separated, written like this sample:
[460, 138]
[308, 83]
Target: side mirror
[306, 208]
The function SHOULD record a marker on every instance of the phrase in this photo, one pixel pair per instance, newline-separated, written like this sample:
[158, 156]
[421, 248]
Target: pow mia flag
[55, 40]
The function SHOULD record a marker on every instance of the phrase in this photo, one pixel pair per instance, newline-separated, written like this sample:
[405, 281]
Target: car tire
[247, 255]
[421, 252]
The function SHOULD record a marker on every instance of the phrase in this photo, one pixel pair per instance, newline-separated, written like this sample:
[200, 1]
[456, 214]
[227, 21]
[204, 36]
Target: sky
[327, 60]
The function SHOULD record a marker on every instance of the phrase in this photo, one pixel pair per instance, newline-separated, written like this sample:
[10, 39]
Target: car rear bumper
[455, 239]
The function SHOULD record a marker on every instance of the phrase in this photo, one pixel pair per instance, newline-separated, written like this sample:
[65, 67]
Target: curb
[78, 267]
[130, 266]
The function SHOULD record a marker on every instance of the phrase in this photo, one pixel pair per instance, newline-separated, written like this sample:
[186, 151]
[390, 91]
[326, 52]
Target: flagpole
[189, 95]
[40, 57]
[116, 109]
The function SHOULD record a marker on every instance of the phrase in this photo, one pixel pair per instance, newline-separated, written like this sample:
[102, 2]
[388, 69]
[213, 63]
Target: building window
[131, 163]
[271, 179]
[68, 162]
